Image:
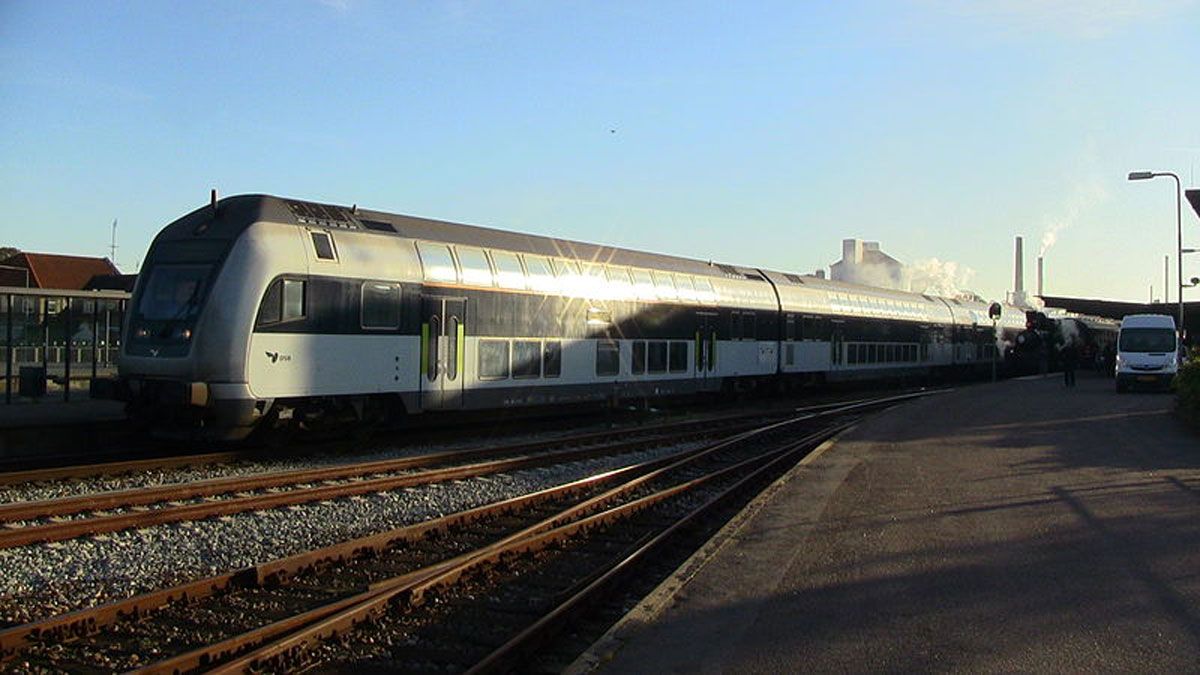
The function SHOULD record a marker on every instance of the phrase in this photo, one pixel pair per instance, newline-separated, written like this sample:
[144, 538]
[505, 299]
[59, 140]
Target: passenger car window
[508, 270]
[380, 305]
[493, 359]
[664, 286]
[552, 359]
[608, 358]
[643, 285]
[437, 262]
[527, 358]
[541, 278]
[475, 268]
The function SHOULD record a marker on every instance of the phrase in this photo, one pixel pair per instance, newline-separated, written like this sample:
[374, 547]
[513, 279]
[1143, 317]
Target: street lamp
[1146, 175]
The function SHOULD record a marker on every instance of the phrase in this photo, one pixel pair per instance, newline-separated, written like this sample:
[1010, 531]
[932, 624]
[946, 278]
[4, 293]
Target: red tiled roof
[70, 272]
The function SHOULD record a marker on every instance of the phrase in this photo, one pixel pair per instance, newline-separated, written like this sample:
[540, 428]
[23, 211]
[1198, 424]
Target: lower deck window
[608, 358]
[552, 359]
[679, 357]
[638, 364]
[656, 356]
[527, 358]
[493, 359]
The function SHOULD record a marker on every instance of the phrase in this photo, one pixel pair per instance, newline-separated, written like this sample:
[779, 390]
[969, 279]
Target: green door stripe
[460, 348]
[424, 349]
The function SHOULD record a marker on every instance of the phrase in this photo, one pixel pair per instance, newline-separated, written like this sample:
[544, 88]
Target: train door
[443, 338]
[706, 344]
[837, 344]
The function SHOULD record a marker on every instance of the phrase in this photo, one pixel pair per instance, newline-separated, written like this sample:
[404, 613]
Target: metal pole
[1179, 231]
[67, 356]
[95, 336]
[8, 359]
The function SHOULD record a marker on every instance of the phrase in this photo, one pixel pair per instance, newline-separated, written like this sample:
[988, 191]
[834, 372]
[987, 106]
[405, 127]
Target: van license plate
[1147, 378]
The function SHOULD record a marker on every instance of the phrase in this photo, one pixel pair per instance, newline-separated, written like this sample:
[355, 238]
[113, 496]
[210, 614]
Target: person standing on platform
[1070, 360]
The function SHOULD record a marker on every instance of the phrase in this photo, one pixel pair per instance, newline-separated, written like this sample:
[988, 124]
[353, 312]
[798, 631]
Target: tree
[7, 252]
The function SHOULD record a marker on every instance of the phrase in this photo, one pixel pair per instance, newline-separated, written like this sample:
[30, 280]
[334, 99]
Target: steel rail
[86, 621]
[298, 633]
[119, 467]
[585, 591]
[239, 504]
[62, 506]
[413, 586]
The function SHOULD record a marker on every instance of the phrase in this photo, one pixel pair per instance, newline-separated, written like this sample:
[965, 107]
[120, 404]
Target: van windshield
[1147, 340]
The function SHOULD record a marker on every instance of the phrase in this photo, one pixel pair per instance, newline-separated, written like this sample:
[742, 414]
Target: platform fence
[54, 341]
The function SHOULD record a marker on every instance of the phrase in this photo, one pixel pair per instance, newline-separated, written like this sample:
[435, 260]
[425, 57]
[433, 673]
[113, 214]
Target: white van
[1147, 351]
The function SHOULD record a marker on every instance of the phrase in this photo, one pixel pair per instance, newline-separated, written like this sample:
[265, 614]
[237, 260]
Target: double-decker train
[260, 311]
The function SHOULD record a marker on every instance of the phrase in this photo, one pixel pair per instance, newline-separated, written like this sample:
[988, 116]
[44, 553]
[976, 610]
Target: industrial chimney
[1041, 289]
[1018, 295]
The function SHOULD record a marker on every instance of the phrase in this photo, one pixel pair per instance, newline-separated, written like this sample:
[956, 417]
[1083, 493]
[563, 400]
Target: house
[53, 271]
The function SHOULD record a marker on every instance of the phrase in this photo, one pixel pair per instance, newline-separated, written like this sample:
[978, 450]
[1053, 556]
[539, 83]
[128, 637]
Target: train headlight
[141, 332]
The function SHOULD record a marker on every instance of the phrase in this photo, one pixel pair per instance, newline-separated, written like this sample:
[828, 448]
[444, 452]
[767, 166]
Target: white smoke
[936, 277]
[1084, 195]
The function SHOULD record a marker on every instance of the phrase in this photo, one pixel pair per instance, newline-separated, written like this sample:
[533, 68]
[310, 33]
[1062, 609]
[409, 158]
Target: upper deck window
[437, 262]
[541, 278]
[323, 244]
[664, 285]
[643, 285]
[475, 268]
[508, 270]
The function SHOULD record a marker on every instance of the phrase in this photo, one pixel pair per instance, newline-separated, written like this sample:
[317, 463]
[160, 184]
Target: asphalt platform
[1015, 527]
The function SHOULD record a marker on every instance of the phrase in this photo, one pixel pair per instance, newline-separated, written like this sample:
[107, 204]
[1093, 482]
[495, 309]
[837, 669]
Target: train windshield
[174, 292]
[1147, 340]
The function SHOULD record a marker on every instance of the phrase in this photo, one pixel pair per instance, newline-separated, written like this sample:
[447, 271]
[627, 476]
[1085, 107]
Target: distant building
[59, 272]
[863, 263]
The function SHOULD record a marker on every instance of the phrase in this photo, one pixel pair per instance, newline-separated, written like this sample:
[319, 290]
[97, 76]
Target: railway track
[23, 523]
[270, 616]
[32, 470]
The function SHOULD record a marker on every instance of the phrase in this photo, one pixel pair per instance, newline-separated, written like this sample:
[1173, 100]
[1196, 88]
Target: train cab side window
[283, 301]
[437, 262]
[552, 359]
[380, 305]
[323, 244]
[508, 270]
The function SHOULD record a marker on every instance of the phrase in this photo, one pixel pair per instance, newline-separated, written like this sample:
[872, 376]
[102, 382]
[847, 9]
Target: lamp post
[1147, 175]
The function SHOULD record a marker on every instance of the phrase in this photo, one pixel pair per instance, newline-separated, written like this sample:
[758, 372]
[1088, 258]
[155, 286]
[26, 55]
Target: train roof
[233, 215]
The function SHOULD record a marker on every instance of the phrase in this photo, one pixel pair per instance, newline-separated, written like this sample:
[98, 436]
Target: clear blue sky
[758, 133]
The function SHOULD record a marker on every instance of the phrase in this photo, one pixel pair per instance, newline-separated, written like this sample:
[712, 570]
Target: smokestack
[1019, 281]
[1041, 289]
